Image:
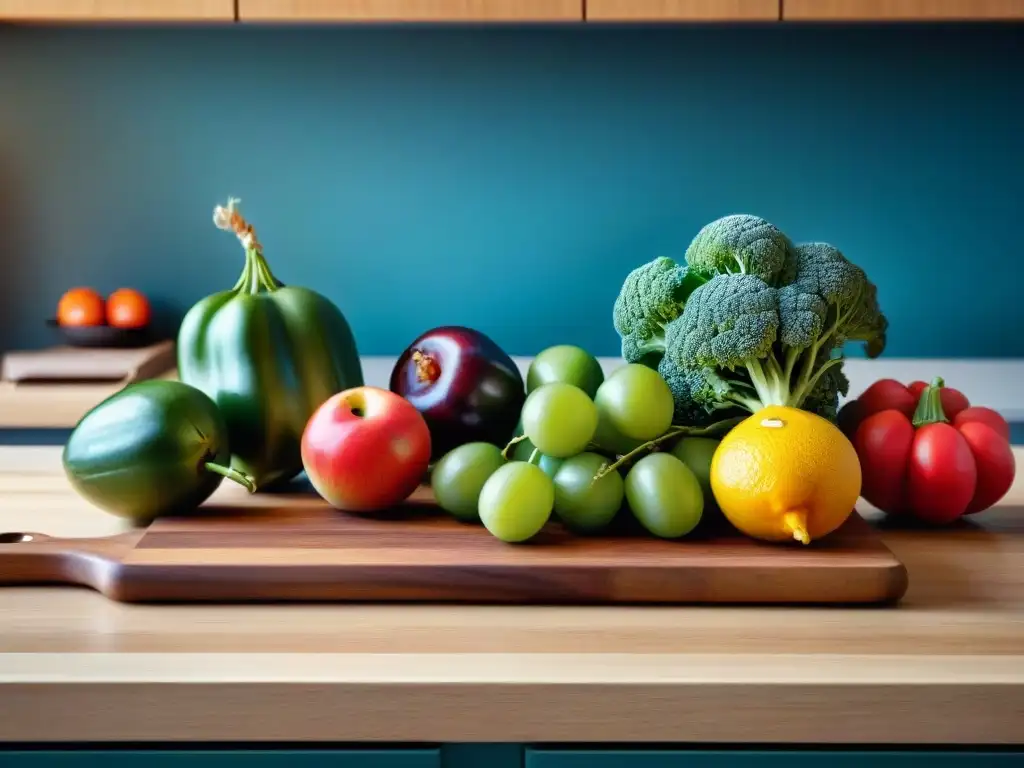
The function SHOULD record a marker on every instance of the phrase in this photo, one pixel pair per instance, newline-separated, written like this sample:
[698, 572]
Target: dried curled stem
[230, 220]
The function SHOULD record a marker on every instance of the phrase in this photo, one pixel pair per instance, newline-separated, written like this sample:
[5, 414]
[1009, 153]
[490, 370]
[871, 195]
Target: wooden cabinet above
[117, 10]
[410, 10]
[683, 10]
[901, 10]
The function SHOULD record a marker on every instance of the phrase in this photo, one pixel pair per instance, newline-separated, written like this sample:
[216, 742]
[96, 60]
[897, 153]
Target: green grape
[664, 495]
[583, 504]
[696, 453]
[611, 440]
[567, 364]
[559, 419]
[523, 451]
[460, 474]
[635, 402]
[516, 501]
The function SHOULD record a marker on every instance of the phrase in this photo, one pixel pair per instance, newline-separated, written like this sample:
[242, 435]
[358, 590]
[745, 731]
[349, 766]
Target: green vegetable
[652, 296]
[753, 320]
[154, 448]
[268, 355]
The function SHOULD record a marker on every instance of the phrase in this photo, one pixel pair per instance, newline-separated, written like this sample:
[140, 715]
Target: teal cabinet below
[766, 758]
[217, 758]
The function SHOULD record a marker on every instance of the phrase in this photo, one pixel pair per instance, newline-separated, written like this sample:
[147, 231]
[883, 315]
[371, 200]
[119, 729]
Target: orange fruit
[128, 308]
[81, 306]
[785, 474]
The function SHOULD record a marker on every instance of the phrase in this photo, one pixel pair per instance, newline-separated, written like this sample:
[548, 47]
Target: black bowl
[98, 336]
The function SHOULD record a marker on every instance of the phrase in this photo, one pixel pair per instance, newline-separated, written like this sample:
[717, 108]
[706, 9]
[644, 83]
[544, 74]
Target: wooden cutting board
[71, 365]
[293, 547]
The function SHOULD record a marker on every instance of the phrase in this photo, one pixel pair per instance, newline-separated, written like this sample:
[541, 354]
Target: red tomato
[995, 462]
[365, 449]
[883, 442]
[80, 306]
[941, 476]
[128, 308]
[885, 394]
[953, 401]
[983, 415]
[938, 471]
[916, 388]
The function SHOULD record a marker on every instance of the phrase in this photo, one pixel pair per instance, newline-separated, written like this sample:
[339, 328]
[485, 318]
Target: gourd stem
[929, 407]
[231, 474]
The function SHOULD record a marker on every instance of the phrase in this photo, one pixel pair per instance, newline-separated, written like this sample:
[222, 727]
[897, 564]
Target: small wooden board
[74, 365]
[293, 547]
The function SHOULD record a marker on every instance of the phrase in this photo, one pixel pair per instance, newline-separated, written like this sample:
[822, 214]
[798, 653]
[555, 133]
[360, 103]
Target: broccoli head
[742, 244]
[751, 320]
[727, 321]
[651, 296]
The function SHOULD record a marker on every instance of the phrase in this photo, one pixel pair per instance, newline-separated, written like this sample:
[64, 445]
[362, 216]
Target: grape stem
[673, 431]
[514, 441]
[534, 456]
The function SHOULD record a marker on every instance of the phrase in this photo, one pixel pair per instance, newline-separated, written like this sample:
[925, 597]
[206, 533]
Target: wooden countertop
[947, 666]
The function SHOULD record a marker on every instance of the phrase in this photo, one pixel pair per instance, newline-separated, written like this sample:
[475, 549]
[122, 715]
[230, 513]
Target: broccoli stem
[653, 345]
[769, 382]
[801, 393]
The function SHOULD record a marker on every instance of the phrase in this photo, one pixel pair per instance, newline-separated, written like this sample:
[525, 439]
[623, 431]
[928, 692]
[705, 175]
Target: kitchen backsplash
[508, 178]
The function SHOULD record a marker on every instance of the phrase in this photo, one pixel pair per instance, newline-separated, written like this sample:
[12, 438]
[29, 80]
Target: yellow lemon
[785, 474]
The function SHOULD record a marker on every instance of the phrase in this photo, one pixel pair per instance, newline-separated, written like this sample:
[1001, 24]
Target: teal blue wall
[508, 178]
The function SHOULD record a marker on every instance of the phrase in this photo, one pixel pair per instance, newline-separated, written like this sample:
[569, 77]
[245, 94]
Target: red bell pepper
[924, 466]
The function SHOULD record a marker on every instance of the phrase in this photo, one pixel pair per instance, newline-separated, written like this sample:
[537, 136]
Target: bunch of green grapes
[584, 450]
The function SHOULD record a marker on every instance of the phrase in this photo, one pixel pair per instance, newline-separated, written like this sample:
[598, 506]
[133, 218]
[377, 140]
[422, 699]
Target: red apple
[365, 449]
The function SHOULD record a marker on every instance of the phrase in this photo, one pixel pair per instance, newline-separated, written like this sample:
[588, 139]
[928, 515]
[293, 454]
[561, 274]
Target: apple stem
[534, 457]
[513, 442]
[427, 368]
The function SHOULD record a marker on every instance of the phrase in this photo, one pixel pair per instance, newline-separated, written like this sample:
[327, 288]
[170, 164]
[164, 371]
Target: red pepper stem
[929, 407]
[231, 474]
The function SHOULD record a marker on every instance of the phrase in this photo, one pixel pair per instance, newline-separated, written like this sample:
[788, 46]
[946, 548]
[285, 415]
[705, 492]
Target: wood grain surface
[410, 10]
[117, 10]
[901, 10]
[945, 666]
[683, 10]
[294, 547]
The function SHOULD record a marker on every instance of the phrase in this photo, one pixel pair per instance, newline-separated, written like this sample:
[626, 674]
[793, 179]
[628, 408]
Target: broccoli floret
[729, 326]
[828, 301]
[699, 395]
[651, 296]
[742, 244]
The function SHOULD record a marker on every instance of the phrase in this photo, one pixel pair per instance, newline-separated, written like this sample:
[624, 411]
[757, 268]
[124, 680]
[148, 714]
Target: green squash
[268, 355]
[153, 448]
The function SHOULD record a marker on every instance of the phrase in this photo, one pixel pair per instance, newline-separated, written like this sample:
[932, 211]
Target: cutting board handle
[34, 558]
